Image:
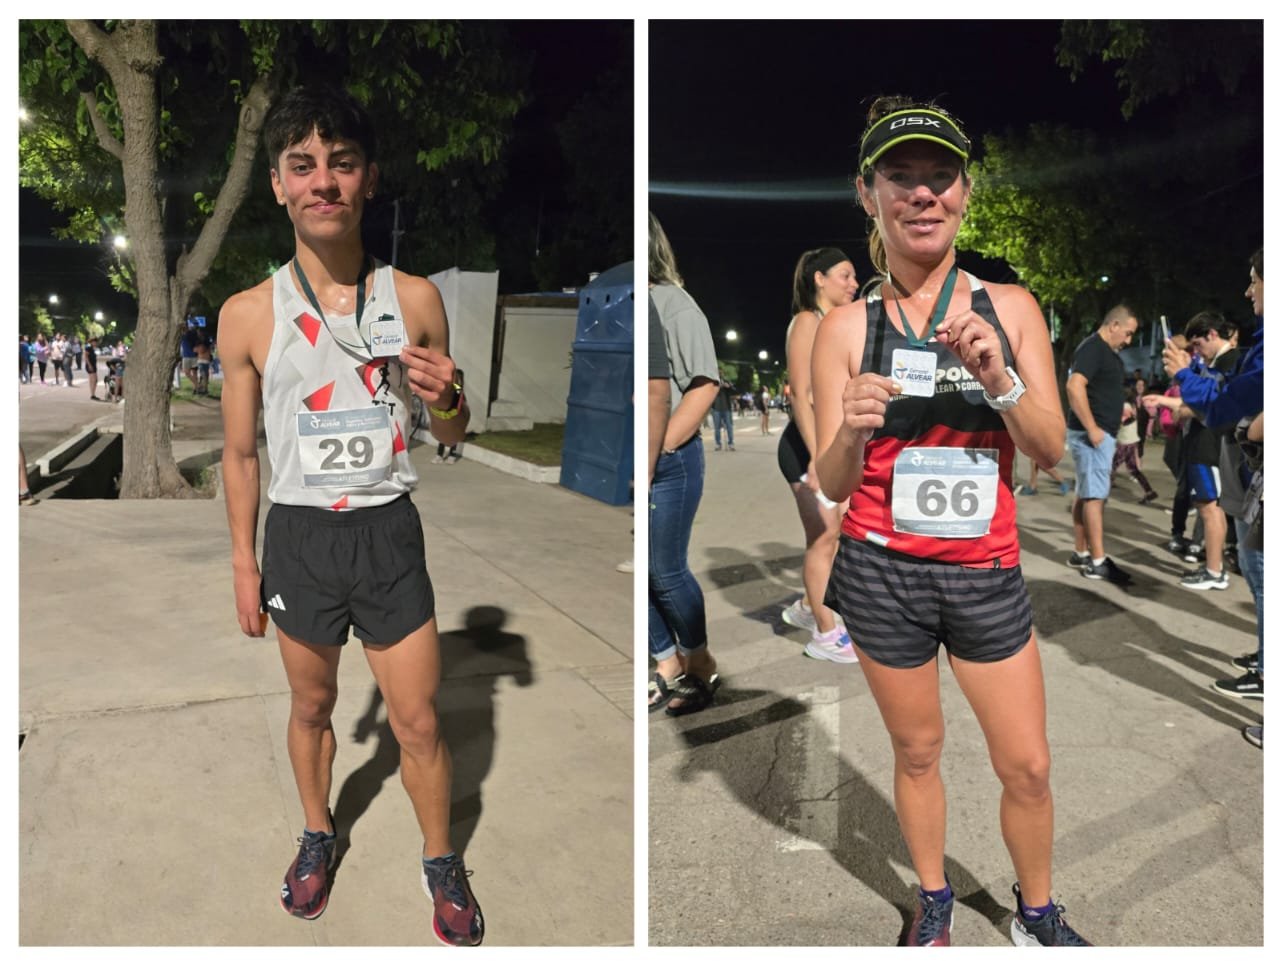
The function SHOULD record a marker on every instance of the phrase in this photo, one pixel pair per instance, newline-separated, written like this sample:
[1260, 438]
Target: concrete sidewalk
[776, 805]
[157, 804]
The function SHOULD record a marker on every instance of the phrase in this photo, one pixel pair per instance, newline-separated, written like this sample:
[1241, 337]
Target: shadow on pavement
[478, 653]
[869, 840]
[1131, 647]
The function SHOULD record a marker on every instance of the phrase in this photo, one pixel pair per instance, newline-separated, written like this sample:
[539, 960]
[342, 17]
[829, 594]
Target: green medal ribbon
[944, 301]
[315, 302]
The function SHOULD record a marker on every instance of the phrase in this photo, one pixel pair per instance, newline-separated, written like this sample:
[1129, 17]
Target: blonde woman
[922, 393]
[685, 678]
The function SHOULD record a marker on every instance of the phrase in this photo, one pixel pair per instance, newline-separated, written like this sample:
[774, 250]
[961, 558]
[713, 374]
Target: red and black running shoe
[931, 927]
[457, 920]
[305, 891]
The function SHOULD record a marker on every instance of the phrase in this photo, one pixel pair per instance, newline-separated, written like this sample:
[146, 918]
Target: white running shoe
[834, 645]
[800, 615]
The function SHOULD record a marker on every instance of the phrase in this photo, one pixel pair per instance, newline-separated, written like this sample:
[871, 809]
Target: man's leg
[1091, 512]
[1215, 533]
[312, 671]
[408, 675]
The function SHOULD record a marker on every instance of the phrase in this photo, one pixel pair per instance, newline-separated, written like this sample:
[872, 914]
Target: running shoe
[1246, 662]
[931, 927]
[1177, 545]
[1231, 561]
[1064, 487]
[1050, 931]
[1247, 686]
[1194, 554]
[800, 615]
[1253, 734]
[1029, 491]
[1202, 580]
[1106, 571]
[305, 891]
[834, 645]
[1078, 561]
[1148, 497]
[457, 920]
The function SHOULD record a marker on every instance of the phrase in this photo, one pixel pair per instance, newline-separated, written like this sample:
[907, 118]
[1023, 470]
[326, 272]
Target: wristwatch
[1007, 400]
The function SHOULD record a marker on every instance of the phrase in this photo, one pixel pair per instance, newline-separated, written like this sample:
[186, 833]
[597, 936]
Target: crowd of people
[907, 407]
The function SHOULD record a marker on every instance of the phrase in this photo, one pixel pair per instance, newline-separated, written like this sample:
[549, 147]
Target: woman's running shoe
[800, 615]
[931, 927]
[834, 645]
[1050, 930]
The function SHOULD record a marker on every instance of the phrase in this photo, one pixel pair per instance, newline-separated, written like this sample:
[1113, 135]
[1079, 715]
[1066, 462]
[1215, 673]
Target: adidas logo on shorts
[277, 603]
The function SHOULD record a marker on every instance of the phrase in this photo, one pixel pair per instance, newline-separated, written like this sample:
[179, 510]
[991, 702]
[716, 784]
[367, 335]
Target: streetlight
[763, 355]
[120, 241]
[731, 335]
[98, 316]
[53, 299]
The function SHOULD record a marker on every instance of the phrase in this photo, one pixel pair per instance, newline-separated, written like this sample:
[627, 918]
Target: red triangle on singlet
[320, 399]
[397, 445]
[340, 505]
[309, 326]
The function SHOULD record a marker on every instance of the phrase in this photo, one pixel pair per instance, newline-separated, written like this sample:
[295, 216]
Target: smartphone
[1164, 326]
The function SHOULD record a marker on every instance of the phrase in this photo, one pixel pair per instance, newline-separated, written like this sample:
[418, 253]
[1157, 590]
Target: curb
[511, 465]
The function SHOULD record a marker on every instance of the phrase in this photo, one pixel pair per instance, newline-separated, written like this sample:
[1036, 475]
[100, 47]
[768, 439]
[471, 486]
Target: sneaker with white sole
[834, 645]
[800, 615]
[1253, 734]
[1202, 580]
[1048, 931]
[456, 918]
[1247, 686]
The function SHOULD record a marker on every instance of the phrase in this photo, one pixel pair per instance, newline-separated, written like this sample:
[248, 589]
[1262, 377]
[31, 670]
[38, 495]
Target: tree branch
[106, 138]
[192, 269]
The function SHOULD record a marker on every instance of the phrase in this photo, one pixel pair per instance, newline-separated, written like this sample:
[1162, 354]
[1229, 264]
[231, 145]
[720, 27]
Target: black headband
[917, 123]
[826, 258]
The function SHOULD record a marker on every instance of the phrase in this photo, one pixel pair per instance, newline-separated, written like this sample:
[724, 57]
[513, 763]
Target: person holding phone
[922, 393]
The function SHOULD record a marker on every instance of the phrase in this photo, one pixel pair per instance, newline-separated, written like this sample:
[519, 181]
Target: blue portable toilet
[597, 457]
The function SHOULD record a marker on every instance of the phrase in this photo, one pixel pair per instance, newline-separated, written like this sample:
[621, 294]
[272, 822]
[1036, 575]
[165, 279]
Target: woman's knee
[919, 756]
[1025, 776]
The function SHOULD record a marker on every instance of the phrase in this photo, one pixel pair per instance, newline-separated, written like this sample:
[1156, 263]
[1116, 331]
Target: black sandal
[694, 693]
[659, 693]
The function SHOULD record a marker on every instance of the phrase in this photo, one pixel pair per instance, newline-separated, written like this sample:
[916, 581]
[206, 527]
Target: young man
[331, 346]
[1095, 393]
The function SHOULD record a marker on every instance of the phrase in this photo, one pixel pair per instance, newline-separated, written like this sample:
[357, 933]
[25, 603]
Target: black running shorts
[793, 456]
[327, 572]
[900, 608]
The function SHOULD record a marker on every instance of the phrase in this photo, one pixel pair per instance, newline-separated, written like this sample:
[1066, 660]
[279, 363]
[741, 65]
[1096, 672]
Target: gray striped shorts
[900, 608]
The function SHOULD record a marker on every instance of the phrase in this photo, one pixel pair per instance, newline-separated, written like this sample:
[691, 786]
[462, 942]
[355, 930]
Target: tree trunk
[131, 58]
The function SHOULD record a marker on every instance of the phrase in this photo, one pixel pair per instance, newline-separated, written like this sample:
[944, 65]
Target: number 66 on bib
[945, 491]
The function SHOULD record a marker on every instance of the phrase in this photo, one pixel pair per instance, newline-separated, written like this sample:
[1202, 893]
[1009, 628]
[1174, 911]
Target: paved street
[771, 815]
[156, 801]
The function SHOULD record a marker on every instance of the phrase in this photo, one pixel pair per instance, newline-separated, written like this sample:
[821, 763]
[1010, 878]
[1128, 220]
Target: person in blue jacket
[1226, 403]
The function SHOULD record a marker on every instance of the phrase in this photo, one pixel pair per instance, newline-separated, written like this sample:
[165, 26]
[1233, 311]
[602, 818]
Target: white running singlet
[336, 418]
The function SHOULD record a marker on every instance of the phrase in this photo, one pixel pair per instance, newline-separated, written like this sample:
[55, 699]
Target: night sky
[782, 103]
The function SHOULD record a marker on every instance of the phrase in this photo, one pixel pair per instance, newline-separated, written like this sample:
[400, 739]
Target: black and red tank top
[955, 417]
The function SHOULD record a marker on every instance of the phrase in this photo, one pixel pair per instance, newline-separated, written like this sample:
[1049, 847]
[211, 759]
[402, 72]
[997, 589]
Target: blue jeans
[677, 612]
[725, 417]
[1251, 568]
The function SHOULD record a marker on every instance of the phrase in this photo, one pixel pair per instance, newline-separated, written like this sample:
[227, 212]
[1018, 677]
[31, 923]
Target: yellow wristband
[452, 410]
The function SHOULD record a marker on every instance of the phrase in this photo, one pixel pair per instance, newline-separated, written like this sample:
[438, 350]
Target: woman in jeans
[685, 678]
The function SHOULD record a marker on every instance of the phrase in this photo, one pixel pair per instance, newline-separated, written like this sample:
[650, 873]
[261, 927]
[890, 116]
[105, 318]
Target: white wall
[470, 300]
[536, 366]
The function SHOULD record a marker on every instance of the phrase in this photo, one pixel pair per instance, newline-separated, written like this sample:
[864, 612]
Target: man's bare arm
[241, 400]
[430, 369]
